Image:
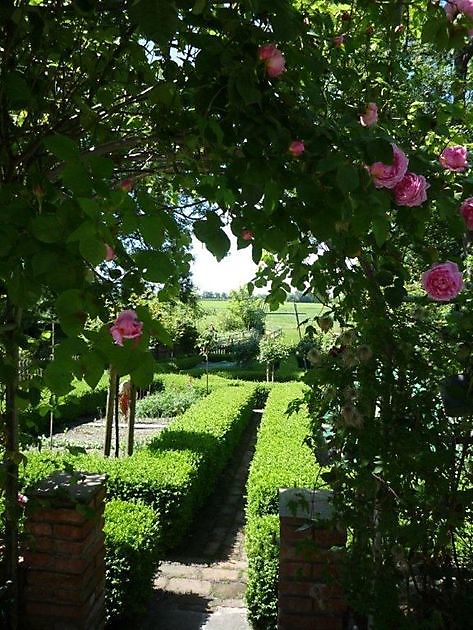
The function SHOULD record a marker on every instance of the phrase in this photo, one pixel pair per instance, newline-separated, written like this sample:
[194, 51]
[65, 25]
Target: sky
[236, 269]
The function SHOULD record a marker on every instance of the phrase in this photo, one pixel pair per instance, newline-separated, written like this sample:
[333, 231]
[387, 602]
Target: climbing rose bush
[296, 148]
[454, 159]
[443, 281]
[370, 117]
[466, 210]
[411, 190]
[389, 175]
[273, 60]
[126, 326]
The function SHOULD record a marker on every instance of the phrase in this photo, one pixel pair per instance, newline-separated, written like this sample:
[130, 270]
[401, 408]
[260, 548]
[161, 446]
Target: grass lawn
[284, 318]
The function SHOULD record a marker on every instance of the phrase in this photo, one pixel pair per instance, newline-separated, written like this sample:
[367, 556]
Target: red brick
[290, 587]
[329, 537]
[38, 529]
[73, 532]
[36, 559]
[55, 610]
[295, 570]
[286, 621]
[295, 604]
[58, 515]
[289, 621]
[54, 579]
[329, 605]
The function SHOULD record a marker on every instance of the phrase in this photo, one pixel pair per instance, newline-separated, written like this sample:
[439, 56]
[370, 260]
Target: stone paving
[202, 586]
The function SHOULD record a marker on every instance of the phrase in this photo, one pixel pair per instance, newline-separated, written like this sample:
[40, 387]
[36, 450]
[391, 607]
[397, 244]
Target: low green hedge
[132, 537]
[177, 470]
[261, 541]
[281, 460]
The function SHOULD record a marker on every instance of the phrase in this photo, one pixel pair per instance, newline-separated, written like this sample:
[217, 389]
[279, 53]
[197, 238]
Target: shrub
[261, 540]
[132, 537]
[167, 403]
[281, 460]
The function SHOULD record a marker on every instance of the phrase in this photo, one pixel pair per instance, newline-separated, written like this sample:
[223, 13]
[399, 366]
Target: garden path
[202, 585]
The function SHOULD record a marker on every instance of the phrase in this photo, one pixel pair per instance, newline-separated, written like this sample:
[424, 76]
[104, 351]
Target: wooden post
[117, 411]
[112, 390]
[297, 320]
[131, 419]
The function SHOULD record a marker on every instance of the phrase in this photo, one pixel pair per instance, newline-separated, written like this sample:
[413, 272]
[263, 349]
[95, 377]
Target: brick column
[64, 567]
[310, 597]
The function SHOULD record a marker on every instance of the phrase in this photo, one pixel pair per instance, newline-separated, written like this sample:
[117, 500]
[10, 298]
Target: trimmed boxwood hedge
[281, 460]
[261, 542]
[176, 471]
[132, 537]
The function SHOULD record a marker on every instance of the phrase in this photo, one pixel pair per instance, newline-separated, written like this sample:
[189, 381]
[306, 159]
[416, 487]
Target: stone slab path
[202, 585]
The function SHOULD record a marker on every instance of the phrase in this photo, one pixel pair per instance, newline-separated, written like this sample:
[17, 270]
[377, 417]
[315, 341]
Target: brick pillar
[64, 567]
[310, 597]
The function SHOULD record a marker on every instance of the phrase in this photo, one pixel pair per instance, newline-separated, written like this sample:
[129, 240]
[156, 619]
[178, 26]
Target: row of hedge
[281, 460]
[132, 534]
[172, 476]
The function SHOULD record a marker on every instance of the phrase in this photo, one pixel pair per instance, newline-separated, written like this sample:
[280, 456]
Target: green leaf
[198, 7]
[152, 230]
[156, 266]
[58, 377]
[47, 229]
[348, 178]
[92, 249]
[380, 230]
[76, 178]
[90, 207]
[209, 231]
[93, 365]
[156, 20]
[62, 147]
[143, 374]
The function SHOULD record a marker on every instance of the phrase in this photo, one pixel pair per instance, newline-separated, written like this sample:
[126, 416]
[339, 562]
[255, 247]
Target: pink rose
[466, 210]
[273, 60]
[127, 185]
[126, 326]
[109, 253]
[370, 117]
[411, 190]
[21, 499]
[443, 281]
[338, 40]
[465, 7]
[247, 235]
[296, 147]
[389, 175]
[454, 158]
[451, 10]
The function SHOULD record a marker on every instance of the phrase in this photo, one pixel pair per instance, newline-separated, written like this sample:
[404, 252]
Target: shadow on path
[202, 584]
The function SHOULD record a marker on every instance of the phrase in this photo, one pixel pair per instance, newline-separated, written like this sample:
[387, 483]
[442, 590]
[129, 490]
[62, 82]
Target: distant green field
[284, 318]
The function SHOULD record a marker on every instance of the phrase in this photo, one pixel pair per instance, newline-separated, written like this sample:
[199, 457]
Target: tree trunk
[112, 388]
[11, 461]
[131, 420]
